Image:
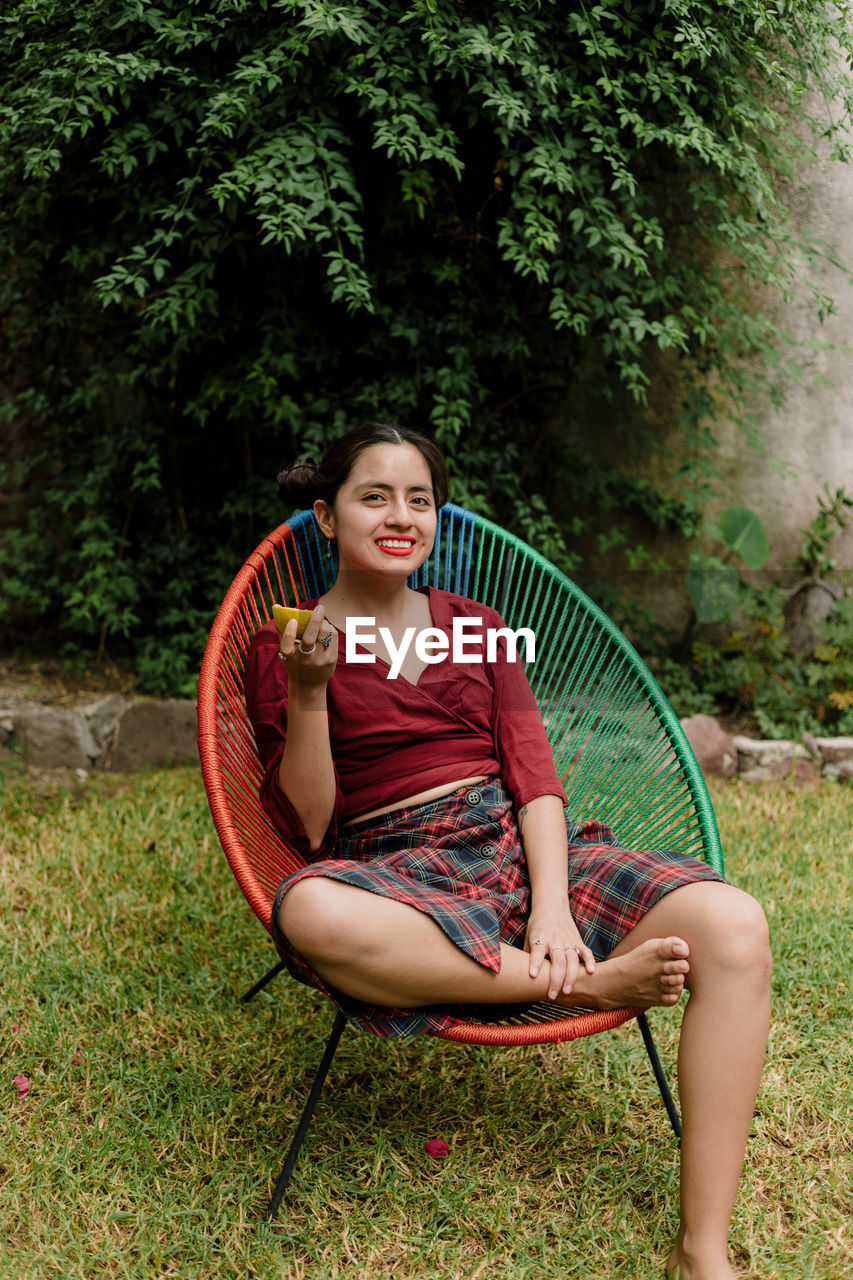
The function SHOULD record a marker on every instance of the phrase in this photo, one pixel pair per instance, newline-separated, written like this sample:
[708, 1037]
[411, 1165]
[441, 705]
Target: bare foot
[652, 974]
[681, 1267]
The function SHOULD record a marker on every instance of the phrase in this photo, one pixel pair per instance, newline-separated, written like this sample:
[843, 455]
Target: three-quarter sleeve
[265, 687]
[527, 765]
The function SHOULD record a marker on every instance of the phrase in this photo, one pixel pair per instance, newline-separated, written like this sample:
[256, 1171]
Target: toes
[666, 949]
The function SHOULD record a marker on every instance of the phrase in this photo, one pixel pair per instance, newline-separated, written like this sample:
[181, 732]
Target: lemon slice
[282, 615]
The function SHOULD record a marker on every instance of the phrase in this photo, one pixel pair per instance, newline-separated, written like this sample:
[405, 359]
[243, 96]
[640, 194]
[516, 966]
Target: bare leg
[388, 953]
[720, 1058]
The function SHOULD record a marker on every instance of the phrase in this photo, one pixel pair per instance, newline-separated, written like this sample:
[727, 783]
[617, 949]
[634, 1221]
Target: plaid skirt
[459, 859]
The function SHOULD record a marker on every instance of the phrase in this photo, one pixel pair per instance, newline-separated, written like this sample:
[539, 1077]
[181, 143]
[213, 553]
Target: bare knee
[736, 936]
[316, 919]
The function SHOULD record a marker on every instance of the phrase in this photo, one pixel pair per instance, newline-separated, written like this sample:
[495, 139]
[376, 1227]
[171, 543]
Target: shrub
[229, 231]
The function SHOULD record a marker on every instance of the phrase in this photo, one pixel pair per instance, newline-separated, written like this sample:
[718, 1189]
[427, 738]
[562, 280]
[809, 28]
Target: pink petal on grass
[436, 1147]
[76, 1059]
[22, 1084]
[14, 1028]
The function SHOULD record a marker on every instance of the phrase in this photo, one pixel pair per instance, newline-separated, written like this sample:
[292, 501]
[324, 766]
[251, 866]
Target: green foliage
[830, 674]
[228, 231]
[713, 587]
[744, 534]
[754, 668]
[814, 557]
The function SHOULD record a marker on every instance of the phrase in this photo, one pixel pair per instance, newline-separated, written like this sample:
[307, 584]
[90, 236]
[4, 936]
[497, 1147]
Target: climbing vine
[231, 229]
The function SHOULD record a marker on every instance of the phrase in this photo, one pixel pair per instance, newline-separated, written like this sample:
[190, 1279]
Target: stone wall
[812, 432]
[807, 442]
[112, 732]
[757, 760]
[116, 733]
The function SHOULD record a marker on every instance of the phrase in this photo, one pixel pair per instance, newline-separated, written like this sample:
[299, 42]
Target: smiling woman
[442, 869]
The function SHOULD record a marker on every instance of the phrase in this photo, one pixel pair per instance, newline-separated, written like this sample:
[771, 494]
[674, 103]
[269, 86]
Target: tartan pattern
[459, 860]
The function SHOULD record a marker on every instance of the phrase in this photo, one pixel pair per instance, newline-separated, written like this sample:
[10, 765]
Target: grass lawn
[159, 1107]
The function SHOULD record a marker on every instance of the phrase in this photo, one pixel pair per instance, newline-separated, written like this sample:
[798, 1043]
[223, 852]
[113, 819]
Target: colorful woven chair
[617, 744]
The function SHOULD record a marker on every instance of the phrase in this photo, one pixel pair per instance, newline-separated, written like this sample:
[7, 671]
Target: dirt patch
[47, 680]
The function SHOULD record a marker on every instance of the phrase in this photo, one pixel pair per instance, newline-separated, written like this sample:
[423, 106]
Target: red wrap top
[392, 739]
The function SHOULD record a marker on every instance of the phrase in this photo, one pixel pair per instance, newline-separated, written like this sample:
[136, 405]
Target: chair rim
[549, 1026]
[227, 831]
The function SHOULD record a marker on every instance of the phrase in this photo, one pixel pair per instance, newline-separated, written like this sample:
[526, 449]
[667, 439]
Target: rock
[102, 717]
[841, 772]
[156, 733]
[835, 750]
[800, 772]
[12, 704]
[755, 753]
[803, 774]
[713, 747]
[55, 738]
[758, 774]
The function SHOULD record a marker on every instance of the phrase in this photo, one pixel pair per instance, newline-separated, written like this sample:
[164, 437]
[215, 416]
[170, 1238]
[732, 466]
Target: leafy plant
[229, 231]
[714, 588]
[755, 668]
[814, 558]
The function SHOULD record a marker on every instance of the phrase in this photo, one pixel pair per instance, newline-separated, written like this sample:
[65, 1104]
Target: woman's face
[384, 515]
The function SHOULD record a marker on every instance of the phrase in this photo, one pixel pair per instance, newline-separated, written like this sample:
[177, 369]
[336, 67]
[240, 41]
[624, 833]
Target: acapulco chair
[618, 747]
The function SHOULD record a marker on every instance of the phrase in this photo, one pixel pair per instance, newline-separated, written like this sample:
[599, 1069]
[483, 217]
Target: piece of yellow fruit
[282, 615]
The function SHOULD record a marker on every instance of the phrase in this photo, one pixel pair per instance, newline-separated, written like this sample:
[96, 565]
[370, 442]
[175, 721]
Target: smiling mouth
[396, 546]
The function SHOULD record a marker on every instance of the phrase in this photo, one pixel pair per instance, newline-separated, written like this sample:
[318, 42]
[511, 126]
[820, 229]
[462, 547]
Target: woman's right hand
[310, 660]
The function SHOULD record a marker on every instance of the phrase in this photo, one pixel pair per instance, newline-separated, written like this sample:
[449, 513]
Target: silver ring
[283, 656]
[575, 949]
[306, 652]
[325, 640]
[538, 943]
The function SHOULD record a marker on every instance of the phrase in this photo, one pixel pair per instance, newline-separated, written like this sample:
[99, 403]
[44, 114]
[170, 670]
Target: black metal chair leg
[310, 1106]
[259, 986]
[671, 1109]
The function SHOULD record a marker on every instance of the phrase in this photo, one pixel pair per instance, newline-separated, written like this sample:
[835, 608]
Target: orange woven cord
[297, 592]
[260, 844]
[232, 772]
[221, 813]
[247, 621]
[552, 1025]
[235, 734]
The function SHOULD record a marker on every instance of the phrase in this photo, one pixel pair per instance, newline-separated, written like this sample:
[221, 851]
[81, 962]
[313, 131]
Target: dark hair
[304, 481]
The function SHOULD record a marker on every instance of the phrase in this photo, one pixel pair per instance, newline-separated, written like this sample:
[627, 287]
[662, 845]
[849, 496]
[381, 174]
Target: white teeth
[393, 542]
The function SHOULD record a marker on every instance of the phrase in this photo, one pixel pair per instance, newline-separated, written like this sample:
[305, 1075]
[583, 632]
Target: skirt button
[488, 850]
[473, 796]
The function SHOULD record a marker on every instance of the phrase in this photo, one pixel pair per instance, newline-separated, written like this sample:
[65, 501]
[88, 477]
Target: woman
[442, 872]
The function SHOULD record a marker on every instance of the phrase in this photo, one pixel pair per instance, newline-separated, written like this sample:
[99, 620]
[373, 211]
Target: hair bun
[300, 482]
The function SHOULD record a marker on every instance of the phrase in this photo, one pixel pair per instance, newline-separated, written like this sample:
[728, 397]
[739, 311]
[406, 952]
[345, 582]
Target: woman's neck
[389, 602]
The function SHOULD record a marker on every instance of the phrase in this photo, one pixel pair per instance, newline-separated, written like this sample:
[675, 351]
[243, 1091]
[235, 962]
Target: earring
[330, 542]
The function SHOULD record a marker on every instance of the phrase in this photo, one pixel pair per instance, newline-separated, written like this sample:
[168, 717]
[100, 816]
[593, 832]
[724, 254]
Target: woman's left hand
[553, 935]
